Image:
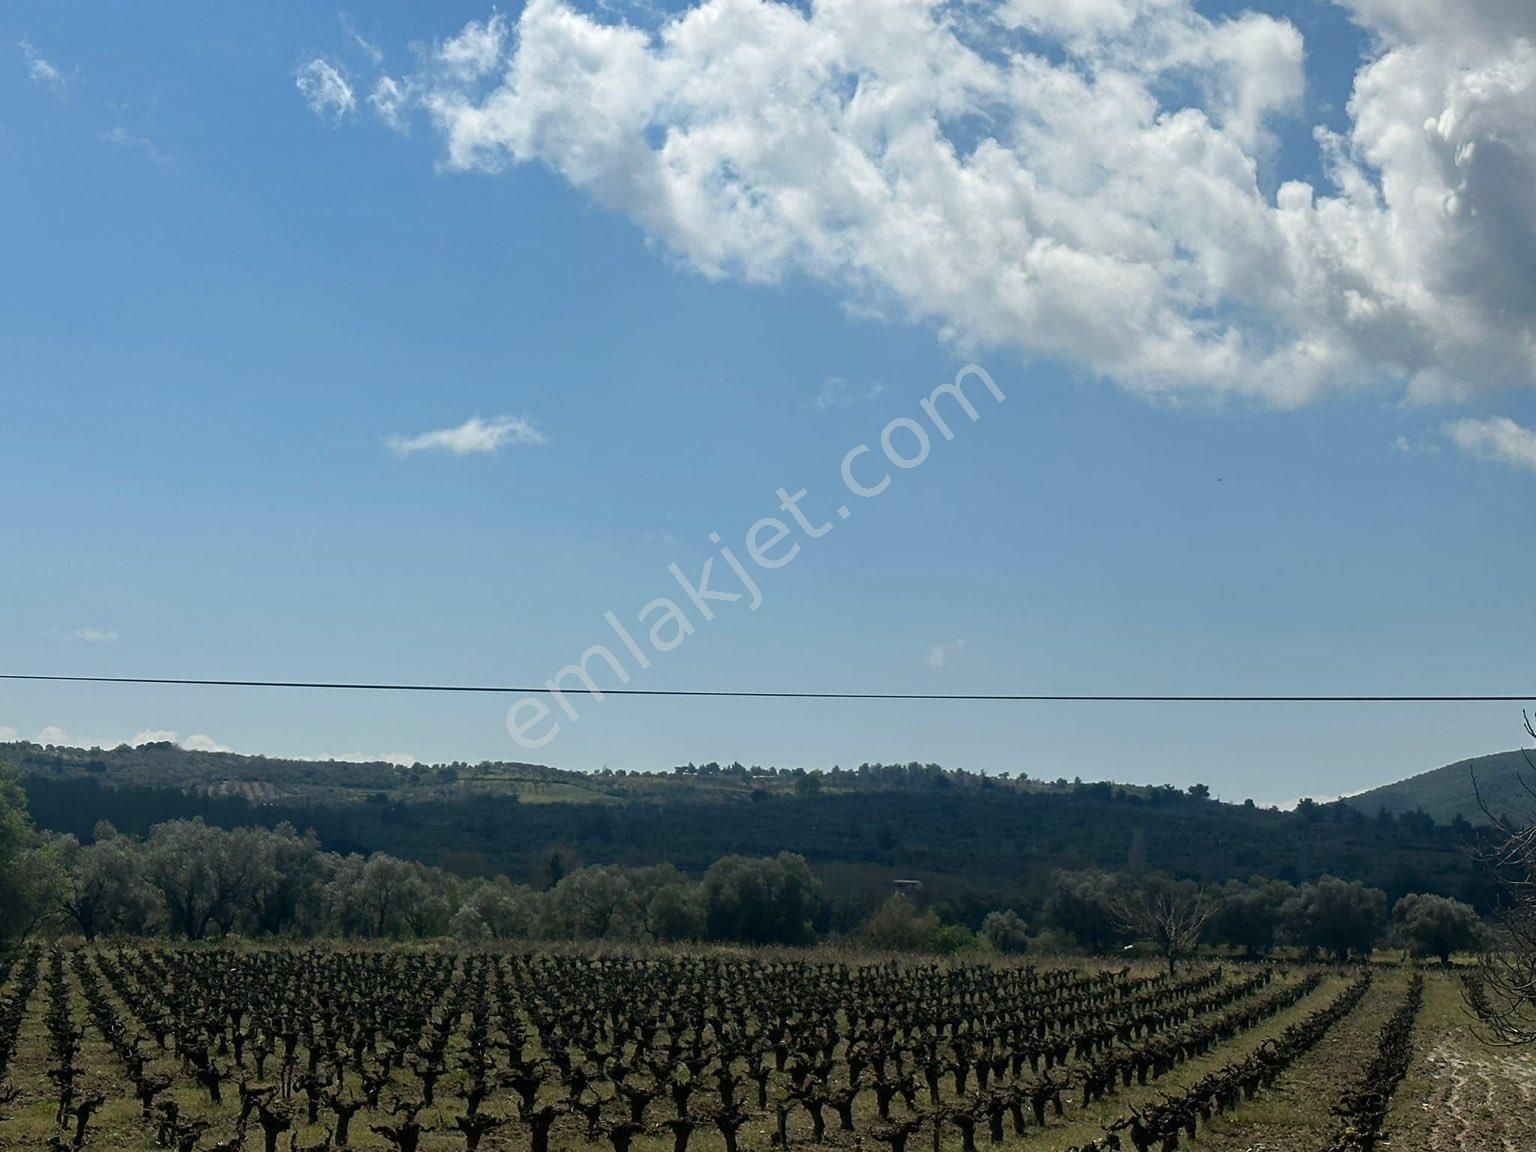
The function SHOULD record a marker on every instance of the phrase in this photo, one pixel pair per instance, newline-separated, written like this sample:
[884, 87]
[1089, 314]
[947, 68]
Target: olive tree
[1082, 905]
[1249, 915]
[1006, 931]
[1436, 926]
[593, 903]
[1339, 918]
[899, 925]
[30, 872]
[105, 889]
[180, 864]
[507, 910]
[760, 900]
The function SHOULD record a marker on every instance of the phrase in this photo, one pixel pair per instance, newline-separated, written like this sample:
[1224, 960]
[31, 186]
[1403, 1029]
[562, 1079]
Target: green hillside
[1446, 792]
[991, 840]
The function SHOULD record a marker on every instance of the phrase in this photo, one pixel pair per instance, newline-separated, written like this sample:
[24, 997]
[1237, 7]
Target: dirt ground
[1462, 1093]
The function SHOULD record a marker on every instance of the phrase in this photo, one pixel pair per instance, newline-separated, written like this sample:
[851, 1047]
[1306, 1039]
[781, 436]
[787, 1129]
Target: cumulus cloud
[93, 635]
[1499, 439]
[8, 734]
[194, 743]
[469, 438]
[41, 70]
[942, 653]
[325, 89]
[197, 742]
[1072, 180]
[53, 734]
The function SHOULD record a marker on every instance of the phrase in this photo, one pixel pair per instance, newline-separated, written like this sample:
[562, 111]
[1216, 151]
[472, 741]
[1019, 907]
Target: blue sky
[231, 291]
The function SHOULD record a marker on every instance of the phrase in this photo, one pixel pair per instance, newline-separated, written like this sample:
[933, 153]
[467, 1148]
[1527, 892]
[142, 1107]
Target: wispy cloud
[1498, 439]
[41, 70]
[942, 653]
[8, 734]
[369, 49]
[325, 89]
[837, 392]
[390, 102]
[472, 437]
[120, 137]
[1413, 446]
[92, 635]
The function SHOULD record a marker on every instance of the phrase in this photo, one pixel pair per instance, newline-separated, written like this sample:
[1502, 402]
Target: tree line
[1104, 912]
[190, 880]
[988, 847]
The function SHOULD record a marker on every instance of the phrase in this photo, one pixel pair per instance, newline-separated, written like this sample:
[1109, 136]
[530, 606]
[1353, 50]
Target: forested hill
[1448, 792]
[965, 836]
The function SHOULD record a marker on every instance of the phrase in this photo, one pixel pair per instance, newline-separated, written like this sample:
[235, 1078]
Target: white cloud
[1499, 439]
[837, 392]
[1074, 180]
[120, 137]
[325, 89]
[1414, 446]
[942, 653]
[473, 436]
[476, 51]
[194, 743]
[8, 734]
[390, 102]
[91, 635]
[197, 742]
[41, 70]
[54, 735]
[369, 49]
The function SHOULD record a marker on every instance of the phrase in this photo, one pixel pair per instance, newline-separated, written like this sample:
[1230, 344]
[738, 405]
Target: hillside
[967, 837]
[1445, 793]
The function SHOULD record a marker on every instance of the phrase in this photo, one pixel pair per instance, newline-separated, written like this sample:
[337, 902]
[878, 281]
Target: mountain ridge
[1463, 788]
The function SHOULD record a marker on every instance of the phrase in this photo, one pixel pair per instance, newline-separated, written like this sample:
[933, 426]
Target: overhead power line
[739, 694]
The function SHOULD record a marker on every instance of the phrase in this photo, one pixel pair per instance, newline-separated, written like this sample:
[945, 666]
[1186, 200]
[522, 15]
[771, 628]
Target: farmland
[211, 1049]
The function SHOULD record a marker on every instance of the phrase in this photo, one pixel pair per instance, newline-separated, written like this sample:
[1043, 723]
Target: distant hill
[1445, 793]
[991, 839]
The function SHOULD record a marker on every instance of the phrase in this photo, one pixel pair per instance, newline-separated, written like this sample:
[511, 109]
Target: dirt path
[1462, 1094]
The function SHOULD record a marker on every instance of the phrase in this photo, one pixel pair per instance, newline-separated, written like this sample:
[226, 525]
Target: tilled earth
[1297, 1116]
[1480, 1099]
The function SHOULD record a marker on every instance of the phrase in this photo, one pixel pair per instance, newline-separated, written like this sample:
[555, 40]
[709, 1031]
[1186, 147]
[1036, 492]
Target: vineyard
[279, 1049]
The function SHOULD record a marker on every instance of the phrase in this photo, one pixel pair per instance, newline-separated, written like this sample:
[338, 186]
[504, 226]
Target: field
[213, 1049]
